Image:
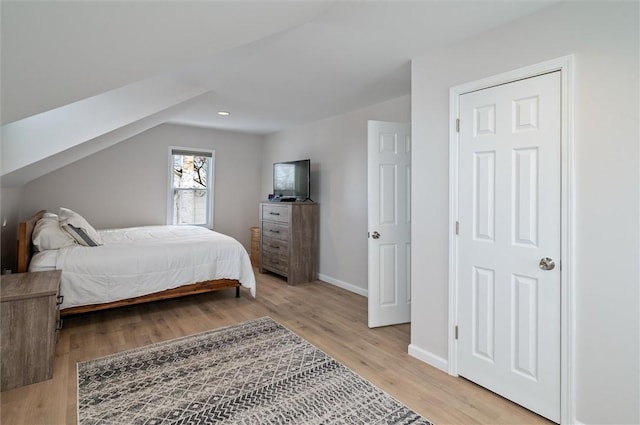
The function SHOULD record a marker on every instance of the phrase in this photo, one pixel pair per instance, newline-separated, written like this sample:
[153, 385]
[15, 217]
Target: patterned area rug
[257, 372]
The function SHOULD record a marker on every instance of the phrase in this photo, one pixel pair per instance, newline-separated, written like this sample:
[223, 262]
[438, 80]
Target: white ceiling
[272, 64]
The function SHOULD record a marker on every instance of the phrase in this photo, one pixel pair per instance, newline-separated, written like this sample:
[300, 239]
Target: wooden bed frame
[25, 252]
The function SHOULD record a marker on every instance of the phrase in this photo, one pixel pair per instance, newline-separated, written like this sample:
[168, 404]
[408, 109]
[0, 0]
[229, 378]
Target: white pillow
[79, 229]
[47, 234]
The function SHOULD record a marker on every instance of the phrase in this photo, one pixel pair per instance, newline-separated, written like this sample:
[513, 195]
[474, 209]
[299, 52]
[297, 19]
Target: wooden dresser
[29, 321]
[289, 240]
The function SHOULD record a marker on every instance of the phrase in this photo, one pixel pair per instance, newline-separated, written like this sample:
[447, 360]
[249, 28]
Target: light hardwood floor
[333, 319]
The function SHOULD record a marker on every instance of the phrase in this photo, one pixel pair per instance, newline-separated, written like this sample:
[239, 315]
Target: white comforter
[141, 260]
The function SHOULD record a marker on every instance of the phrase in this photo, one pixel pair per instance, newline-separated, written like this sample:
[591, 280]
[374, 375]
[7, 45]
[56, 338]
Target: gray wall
[337, 147]
[9, 217]
[126, 185]
[605, 40]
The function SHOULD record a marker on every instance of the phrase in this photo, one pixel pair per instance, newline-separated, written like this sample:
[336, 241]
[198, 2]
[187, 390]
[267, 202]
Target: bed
[138, 265]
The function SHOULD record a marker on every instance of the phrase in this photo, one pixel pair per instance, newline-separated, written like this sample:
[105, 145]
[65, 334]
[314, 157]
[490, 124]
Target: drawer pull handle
[274, 231]
[274, 246]
[59, 324]
[273, 213]
[59, 299]
[275, 262]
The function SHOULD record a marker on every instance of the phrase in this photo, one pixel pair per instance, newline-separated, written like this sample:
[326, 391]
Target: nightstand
[29, 321]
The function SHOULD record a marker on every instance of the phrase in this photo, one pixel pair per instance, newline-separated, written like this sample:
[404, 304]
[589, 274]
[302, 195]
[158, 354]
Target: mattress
[137, 261]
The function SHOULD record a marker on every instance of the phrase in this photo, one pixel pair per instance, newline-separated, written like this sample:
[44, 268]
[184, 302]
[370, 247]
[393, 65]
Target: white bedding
[141, 260]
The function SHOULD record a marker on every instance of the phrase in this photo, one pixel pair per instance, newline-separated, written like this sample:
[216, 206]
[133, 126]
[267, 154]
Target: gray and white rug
[256, 372]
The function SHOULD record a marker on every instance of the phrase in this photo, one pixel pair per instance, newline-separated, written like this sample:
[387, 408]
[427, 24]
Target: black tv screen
[292, 179]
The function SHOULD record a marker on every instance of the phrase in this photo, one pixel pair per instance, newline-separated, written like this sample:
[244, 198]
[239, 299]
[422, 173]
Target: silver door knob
[375, 235]
[547, 263]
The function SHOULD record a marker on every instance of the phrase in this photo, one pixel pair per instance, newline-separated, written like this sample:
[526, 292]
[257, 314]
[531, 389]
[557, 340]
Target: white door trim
[567, 236]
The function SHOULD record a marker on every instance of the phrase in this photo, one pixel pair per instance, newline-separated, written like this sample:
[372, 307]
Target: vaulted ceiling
[272, 64]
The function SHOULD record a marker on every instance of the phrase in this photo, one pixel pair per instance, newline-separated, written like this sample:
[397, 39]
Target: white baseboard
[429, 358]
[344, 285]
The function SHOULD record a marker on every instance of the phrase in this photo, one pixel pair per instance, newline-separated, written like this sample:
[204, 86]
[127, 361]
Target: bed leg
[237, 292]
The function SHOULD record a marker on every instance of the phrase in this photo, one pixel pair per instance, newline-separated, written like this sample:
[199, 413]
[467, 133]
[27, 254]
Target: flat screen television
[292, 180]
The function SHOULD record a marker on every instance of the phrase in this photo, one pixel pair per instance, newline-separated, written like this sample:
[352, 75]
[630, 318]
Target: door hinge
[368, 234]
[457, 227]
[457, 125]
[456, 331]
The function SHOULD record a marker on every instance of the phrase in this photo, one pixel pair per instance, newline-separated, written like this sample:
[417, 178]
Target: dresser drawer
[275, 230]
[274, 262]
[275, 246]
[279, 213]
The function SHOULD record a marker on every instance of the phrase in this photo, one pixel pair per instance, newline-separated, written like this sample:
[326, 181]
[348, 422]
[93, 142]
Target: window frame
[209, 188]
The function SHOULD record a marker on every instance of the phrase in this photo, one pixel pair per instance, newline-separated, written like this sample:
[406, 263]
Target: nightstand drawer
[279, 213]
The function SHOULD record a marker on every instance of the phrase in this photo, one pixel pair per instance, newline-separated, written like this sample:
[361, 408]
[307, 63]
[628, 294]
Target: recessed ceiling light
[224, 113]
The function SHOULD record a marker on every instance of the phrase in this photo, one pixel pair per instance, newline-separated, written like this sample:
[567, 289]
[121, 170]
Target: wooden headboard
[25, 245]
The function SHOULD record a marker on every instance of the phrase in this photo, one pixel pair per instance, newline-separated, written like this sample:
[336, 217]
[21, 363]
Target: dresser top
[286, 204]
[28, 285]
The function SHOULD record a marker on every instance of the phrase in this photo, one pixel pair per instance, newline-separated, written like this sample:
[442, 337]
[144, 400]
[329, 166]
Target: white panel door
[389, 164]
[509, 222]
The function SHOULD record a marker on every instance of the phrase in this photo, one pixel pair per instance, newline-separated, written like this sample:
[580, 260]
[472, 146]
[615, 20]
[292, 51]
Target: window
[190, 199]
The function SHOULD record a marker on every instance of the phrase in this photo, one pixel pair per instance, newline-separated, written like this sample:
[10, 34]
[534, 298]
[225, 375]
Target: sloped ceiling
[272, 64]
